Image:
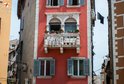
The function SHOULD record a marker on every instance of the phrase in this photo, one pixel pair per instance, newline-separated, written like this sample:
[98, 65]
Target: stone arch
[55, 20]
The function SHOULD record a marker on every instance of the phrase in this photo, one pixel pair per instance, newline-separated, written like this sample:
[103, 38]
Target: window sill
[52, 6]
[73, 6]
[45, 77]
[78, 77]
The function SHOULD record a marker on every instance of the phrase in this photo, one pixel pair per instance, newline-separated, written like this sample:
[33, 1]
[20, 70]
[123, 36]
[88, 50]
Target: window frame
[45, 76]
[51, 6]
[72, 73]
[78, 67]
[71, 6]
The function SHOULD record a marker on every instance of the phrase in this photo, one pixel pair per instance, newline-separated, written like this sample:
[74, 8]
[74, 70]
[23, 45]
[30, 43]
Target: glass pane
[48, 68]
[42, 67]
[80, 67]
[54, 3]
[75, 62]
[70, 27]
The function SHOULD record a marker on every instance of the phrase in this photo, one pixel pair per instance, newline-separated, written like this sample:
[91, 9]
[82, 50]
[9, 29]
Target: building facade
[5, 18]
[12, 63]
[56, 41]
[116, 40]
[26, 14]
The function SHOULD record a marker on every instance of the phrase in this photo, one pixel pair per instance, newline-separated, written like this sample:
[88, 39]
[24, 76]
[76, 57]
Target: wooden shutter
[70, 67]
[70, 2]
[82, 2]
[37, 67]
[61, 2]
[52, 67]
[86, 67]
[48, 2]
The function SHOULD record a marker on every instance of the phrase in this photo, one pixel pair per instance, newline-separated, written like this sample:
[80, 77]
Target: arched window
[70, 25]
[54, 25]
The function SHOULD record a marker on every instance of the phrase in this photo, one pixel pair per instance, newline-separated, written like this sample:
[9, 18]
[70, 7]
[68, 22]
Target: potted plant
[76, 31]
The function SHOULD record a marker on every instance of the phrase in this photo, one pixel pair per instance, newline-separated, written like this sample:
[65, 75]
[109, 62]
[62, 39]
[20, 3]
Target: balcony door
[70, 25]
[55, 25]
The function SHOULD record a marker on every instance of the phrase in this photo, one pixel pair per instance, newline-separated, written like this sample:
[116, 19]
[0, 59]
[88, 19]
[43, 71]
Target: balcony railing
[62, 40]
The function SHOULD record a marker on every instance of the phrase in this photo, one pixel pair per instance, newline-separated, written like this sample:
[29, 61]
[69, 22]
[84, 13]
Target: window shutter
[52, 67]
[70, 2]
[82, 2]
[37, 67]
[86, 67]
[48, 2]
[70, 67]
[61, 2]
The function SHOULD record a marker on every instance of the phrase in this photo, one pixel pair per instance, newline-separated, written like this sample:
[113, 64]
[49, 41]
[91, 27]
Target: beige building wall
[5, 15]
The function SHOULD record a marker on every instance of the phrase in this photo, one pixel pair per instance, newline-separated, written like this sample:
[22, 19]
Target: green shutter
[86, 67]
[61, 2]
[52, 67]
[37, 67]
[82, 2]
[70, 67]
[70, 2]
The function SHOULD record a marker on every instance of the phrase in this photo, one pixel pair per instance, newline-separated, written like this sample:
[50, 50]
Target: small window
[75, 2]
[13, 45]
[78, 67]
[52, 2]
[55, 2]
[44, 67]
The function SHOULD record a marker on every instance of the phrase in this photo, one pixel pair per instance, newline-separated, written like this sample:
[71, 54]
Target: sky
[100, 35]
[15, 22]
[100, 32]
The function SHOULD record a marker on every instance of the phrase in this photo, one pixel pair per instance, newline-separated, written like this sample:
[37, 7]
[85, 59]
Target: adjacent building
[106, 73]
[116, 41]
[26, 13]
[5, 18]
[56, 41]
[12, 63]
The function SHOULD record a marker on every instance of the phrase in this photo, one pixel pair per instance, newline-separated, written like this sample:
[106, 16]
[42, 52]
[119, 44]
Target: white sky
[100, 35]
[100, 32]
[15, 23]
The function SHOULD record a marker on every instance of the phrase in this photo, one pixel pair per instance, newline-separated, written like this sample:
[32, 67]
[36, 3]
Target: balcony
[62, 40]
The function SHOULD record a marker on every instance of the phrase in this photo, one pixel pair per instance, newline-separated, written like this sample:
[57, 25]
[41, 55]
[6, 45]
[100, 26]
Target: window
[75, 2]
[55, 25]
[70, 25]
[55, 2]
[13, 45]
[78, 67]
[44, 67]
